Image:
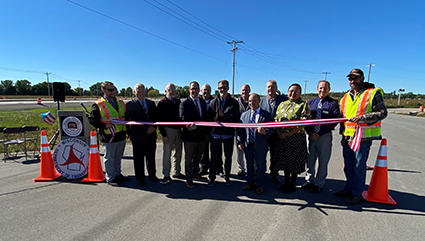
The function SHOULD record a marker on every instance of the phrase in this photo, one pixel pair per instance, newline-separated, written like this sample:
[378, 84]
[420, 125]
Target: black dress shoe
[113, 183]
[316, 189]
[141, 183]
[122, 178]
[290, 189]
[343, 193]
[354, 200]
[283, 187]
[241, 173]
[154, 179]
[167, 180]
[179, 176]
[307, 185]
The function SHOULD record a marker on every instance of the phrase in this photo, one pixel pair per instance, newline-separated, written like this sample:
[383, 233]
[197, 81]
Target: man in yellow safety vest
[112, 136]
[363, 105]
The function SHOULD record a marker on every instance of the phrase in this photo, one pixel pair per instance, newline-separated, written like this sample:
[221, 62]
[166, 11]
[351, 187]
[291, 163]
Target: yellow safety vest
[108, 113]
[361, 105]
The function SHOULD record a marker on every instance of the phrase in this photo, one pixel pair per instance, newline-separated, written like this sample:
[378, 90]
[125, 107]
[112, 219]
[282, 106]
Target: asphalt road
[70, 210]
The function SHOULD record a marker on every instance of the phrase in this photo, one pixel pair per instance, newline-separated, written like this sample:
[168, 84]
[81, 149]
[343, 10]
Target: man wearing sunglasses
[112, 136]
[363, 105]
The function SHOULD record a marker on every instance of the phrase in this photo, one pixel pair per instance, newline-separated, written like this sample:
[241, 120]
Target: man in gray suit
[270, 103]
[254, 143]
[243, 106]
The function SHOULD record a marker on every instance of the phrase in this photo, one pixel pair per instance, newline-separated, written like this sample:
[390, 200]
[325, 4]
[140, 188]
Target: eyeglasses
[222, 87]
[110, 90]
[171, 89]
[353, 77]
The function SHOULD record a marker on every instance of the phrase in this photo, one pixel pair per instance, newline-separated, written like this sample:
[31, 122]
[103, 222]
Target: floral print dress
[291, 152]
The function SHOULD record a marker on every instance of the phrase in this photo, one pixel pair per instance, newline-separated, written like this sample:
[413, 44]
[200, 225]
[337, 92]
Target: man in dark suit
[143, 137]
[254, 143]
[270, 103]
[243, 101]
[222, 109]
[194, 137]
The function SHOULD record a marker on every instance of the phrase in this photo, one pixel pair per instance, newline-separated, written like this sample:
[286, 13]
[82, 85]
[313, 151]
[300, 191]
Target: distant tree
[23, 87]
[86, 93]
[8, 88]
[183, 92]
[153, 93]
[96, 89]
[129, 92]
[122, 92]
[39, 89]
[67, 89]
[78, 91]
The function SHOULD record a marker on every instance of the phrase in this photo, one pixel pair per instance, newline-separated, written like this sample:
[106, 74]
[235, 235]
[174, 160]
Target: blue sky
[289, 41]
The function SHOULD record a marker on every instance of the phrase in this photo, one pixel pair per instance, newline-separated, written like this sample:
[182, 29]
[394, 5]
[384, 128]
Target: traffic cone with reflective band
[378, 187]
[39, 101]
[47, 169]
[95, 166]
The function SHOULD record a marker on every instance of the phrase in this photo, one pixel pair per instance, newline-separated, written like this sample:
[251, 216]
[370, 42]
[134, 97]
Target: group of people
[204, 146]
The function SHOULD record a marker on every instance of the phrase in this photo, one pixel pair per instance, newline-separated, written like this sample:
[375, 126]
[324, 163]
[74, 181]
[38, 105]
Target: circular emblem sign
[72, 126]
[71, 158]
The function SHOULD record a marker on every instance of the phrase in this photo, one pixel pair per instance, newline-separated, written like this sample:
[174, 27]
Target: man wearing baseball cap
[363, 105]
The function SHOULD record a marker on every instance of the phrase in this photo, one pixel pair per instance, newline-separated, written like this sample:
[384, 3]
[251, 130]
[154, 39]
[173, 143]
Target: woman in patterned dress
[291, 147]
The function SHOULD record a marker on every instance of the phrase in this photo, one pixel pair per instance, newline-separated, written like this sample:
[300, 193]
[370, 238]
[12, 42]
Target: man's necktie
[318, 115]
[197, 106]
[144, 108]
[252, 130]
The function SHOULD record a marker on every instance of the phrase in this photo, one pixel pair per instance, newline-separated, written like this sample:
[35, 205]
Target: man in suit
[222, 109]
[270, 103]
[143, 137]
[254, 143]
[194, 137]
[168, 111]
[243, 106]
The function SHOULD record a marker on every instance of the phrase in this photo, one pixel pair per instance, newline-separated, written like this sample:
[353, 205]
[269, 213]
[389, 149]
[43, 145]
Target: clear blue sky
[289, 41]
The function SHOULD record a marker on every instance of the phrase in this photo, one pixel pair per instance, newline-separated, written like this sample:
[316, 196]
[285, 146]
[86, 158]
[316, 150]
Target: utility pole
[48, 85]
[305, 88]
[399, 95]
[234, 54]
[79, 88]
[370, 67]
[326, 74]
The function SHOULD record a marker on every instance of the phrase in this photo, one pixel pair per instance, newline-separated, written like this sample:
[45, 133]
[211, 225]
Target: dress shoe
[354, 200]
[113, 183]
[316, 189]
[307, 185]
[259, 190]
[276, 180]
[228, 182]
[200, 178]
[122, 178]
[249, 186]
[190, 184]
[241, 173]
[167, 180]
[154, 179]
[283, 186]
[343, 193]
[141, 183]
[179, 176]
[290, 189]
[211, 183]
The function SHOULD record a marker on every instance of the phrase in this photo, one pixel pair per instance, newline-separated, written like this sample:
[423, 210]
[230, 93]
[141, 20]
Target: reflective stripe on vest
[108, 113]
[361, 105]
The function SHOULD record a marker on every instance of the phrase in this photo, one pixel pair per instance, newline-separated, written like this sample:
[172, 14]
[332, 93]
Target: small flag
[112, 129]
[355, 143]
[48, 118]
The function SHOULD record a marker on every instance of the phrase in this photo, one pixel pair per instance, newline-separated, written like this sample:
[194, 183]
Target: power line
[144, 31]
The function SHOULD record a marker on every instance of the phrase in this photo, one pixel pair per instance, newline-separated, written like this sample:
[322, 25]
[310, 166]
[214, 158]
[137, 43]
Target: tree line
[24, 87]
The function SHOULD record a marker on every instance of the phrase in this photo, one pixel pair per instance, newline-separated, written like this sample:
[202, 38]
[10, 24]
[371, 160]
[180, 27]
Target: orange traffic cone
[95, 167]
[378, 187]
[47, 169]
[39, 101]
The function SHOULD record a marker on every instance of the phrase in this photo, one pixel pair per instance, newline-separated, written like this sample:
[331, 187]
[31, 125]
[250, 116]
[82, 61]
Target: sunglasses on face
[171, 89]
[110, 90]
[222, 88]
[353, 77]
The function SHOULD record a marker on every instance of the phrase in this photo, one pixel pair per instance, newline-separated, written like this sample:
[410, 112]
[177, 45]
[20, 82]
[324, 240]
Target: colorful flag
[48, 118]
[355, 143]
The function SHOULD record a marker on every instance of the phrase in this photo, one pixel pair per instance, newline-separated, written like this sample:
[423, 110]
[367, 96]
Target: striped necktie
[252, 130]
[318, 115]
